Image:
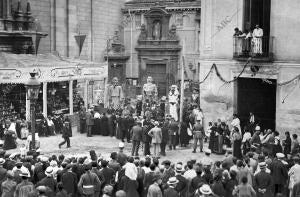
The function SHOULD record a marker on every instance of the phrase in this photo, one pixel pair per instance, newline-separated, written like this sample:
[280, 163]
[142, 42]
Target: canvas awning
[15, 68]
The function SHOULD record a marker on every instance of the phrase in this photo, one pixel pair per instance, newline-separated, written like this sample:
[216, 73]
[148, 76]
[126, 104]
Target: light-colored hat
[257, 128]
[41, 188]
[25, 172]
[280, 155]
[205, 189]
[156, 123]
[108, 189]
[121, 145]
[262, 165]
[198, 118]
[179, 167]
[172, 181]
[208, 151]
[44, 159]
[2, 161]
[49, 171]
[53, 163]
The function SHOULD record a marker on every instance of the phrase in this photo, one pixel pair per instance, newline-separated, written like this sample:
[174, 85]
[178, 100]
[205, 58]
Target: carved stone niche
[157, 23]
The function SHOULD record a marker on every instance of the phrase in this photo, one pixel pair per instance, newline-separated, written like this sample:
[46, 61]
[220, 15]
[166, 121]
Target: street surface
[81, 145]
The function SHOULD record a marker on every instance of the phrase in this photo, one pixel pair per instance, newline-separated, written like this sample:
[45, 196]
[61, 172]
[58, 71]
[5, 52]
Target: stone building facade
[156, 37]
[269, 84]
[63, 19]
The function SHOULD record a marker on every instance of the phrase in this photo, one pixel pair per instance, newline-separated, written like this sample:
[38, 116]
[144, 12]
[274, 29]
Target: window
[257, 12]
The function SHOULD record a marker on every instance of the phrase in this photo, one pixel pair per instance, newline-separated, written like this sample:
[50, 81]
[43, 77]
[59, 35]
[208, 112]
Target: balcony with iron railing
[260, 49]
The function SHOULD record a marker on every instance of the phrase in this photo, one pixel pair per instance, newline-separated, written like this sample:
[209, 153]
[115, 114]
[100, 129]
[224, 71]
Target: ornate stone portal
[158, 50]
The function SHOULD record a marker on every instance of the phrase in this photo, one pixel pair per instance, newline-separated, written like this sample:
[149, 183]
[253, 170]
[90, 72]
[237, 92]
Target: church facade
[156, 35]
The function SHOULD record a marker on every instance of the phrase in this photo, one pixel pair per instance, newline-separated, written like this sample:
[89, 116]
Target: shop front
[65, 84]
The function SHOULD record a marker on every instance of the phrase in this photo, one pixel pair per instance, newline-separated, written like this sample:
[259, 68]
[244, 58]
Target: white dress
[257, 41]
[173, 101]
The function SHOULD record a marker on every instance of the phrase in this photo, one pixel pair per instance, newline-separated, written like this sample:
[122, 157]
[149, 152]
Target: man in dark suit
[69, 181]
[279, 173]
[147, 126]
[148, 180]
[165, 137]
[168, 173]
[182, 185]
[89, 123]
[137, 135]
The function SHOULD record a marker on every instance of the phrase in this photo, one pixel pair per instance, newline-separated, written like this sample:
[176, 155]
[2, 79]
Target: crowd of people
[257, 173]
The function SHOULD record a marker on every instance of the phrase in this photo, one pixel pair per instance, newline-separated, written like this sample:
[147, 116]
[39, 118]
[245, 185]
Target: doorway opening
[158, 73]
[256, 96]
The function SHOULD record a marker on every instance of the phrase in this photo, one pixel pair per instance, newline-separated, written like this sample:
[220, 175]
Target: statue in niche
[143, 34]
[156, 34]
[172, 33]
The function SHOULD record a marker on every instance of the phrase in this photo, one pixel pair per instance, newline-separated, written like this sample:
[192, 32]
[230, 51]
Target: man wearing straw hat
[171, 191]
[263, 181]
[182, 185]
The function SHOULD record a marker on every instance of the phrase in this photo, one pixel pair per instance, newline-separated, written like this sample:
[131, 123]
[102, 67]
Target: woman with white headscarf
[128, 182]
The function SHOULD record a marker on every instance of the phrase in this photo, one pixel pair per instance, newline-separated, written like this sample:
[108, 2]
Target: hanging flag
[80, 40]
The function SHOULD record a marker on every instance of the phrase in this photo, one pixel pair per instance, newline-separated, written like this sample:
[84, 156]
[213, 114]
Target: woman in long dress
[9, 136]
[237, 143]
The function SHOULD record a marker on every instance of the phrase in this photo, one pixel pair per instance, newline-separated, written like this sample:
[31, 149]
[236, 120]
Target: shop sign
[94, 71]
[65, 72]
[7, 74]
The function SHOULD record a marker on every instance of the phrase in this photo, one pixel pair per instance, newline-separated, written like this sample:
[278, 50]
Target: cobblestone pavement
[81, 145]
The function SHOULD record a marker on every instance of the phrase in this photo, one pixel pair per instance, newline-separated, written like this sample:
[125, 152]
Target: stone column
[27, 108]
[71, 96]
[86, 83]
[45, 113]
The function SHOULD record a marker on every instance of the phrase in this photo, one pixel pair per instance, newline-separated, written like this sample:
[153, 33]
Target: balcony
[260, 49]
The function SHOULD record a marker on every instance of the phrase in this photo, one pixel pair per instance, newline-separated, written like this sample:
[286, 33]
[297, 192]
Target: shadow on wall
[211, 98]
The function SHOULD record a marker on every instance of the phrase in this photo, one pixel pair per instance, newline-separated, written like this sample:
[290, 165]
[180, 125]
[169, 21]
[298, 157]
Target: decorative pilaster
[27, 109]
[71, 97]
[45, 113]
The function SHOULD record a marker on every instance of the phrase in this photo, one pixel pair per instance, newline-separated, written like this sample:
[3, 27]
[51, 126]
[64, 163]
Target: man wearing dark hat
[8, 186]
[154, 189]
[263, 181]
[107, 174]
[168, 172]
[173, 131]
[66, 134]
[69, 181]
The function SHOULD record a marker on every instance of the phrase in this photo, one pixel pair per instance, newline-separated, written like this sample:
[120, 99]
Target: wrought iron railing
[244, 47]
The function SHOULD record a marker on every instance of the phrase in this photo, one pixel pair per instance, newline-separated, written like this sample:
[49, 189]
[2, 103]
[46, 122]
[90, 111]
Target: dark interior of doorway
[257, 96]
[159, 74]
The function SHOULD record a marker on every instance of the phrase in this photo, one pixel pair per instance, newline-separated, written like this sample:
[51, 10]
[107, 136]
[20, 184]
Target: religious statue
[173, 102]
[156, 30]
[115, 94]
[149, 91]
[143, 34]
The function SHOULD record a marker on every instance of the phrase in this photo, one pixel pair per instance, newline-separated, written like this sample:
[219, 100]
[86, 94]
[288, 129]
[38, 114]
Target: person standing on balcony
[257, 40]
[238, 40]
